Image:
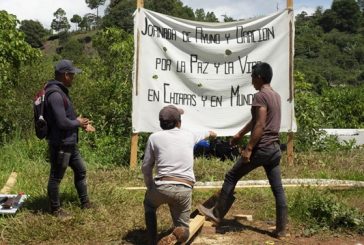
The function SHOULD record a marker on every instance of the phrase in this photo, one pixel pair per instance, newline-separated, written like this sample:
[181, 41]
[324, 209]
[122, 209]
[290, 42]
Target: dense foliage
[329, 74]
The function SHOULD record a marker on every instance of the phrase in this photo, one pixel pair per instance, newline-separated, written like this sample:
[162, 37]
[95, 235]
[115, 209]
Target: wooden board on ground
[9, 183]
[195, 224]
[247, 217]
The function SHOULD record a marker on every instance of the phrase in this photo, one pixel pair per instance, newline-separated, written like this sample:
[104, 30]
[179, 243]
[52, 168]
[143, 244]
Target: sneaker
[60, 213]
[208, 213]
[168, 240]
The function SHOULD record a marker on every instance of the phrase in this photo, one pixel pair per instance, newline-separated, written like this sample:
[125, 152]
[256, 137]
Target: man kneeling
[171, 151]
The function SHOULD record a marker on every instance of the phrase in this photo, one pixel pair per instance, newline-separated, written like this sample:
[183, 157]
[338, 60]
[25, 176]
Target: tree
[60, 23]
[88, 21]
[14, 50]
[119, 13]
[361, 4]
[34, 32]
[211, 17]
[95, 4]
[348, 15]
[76, 19]
[200, 14]
[228, 18]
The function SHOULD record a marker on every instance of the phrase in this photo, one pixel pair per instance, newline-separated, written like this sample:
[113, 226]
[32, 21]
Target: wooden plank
[247, 217]
[9, 183]
[195, 224]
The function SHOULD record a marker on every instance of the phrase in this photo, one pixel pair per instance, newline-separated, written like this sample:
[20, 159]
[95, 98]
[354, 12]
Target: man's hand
[245, 154]
[90, 128]
[212, 135]
[235, 139]
[83, 121]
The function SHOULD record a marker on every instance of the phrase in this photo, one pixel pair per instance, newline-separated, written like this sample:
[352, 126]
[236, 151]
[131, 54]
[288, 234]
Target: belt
[170, 178]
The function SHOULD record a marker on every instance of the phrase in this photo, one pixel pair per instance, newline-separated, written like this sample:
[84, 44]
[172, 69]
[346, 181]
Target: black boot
[218, 212]
[151, 224]
[281, 222]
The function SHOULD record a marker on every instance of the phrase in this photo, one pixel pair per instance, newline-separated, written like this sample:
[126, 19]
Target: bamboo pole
[290, 154]
[135, 136]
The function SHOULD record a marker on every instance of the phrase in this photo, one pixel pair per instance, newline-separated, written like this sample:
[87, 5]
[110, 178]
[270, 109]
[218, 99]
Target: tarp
[205, 69]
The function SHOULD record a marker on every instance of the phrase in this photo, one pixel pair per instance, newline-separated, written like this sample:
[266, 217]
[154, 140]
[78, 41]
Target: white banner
[205, 69]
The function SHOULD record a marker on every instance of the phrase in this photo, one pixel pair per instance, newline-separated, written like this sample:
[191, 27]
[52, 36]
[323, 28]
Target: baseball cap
[64, 66]
[170, 113]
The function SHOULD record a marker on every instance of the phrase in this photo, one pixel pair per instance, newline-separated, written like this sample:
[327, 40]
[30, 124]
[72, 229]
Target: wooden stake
[9, 183]
[290, 155]
[134, 151]
[135, 136]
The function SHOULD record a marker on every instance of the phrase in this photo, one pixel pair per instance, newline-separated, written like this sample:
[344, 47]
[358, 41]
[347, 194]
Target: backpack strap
[49, 90]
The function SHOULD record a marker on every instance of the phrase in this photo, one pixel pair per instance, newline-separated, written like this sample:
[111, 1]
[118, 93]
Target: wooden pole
[290, 155]
[135, 136]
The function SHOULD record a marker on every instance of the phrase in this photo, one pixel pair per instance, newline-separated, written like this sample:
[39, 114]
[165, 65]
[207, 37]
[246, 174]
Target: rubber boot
[218, 212]
[151, 224]
[281, 222]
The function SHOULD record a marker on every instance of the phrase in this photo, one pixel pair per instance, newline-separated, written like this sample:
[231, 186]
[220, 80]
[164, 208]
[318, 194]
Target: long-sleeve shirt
[171, 152]
[61, 116]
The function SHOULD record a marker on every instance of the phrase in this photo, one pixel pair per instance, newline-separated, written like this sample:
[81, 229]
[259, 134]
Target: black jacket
[60, 115]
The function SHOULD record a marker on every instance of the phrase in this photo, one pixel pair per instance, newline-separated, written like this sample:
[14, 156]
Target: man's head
[64, 72]
[170, 117]
[263, 71]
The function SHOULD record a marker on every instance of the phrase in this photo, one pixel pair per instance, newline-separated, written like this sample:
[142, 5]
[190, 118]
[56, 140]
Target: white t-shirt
[171, 152]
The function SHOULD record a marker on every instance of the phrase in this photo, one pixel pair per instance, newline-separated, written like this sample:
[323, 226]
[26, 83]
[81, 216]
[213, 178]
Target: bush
[320, 211]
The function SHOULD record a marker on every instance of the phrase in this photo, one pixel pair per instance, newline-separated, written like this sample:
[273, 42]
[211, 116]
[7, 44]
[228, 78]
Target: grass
[119, 213]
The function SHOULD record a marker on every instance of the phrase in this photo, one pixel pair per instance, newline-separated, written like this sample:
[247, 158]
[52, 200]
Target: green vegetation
[118, 214]
[329, 88]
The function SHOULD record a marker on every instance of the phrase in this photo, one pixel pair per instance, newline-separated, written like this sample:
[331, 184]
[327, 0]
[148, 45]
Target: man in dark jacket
[63, 136]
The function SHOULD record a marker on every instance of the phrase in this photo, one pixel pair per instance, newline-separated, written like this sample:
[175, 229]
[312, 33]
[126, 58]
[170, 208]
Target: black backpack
[39, 103]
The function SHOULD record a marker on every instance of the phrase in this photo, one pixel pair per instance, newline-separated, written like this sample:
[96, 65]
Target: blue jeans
[61, 158]
[268, 157]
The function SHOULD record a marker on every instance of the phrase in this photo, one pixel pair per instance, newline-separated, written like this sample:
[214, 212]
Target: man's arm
[256, 133]
[148, 164]
[237, 137]
[55, 100]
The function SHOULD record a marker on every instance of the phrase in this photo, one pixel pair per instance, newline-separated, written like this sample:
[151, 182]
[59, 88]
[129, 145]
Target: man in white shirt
[170, 151]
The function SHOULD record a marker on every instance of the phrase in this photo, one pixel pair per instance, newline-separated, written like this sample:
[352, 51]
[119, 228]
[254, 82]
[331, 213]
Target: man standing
[63, 136]
[170, 151]
[263, 149]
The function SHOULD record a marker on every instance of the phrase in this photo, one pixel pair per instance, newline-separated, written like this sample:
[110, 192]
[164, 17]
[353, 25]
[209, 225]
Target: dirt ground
[234, 232]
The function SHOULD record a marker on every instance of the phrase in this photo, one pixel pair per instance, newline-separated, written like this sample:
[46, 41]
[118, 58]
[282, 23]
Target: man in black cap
[170, 151]
[62, 136]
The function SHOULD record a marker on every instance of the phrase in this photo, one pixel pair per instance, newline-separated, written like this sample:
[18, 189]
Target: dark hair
[165, 125]
[264, 70]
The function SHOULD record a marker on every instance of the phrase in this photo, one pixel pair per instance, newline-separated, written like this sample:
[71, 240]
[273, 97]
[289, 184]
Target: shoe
[208, 213]
[60, 213]
[168, 240]
[87, 205]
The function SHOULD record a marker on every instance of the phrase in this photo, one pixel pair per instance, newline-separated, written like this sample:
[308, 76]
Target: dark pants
[268, 157]
[61, 158]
